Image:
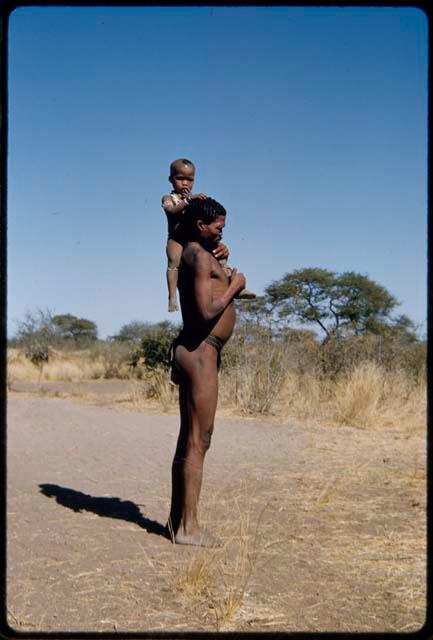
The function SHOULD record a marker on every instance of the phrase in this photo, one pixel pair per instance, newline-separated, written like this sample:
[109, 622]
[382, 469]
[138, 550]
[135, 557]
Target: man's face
[211, 234]
[183, 179]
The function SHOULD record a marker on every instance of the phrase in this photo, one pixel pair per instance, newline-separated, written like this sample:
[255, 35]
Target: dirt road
[324, 527]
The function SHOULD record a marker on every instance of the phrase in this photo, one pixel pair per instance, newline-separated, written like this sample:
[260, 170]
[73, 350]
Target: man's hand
[221, 251]
[238, 280]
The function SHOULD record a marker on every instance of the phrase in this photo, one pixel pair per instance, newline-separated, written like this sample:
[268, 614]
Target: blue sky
[308, 124]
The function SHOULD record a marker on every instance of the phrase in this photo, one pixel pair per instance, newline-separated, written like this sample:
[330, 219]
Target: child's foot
[172, 304]
[246, 295]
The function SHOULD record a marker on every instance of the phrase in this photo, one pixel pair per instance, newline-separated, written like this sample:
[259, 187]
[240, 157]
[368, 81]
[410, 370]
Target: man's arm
[208, 307]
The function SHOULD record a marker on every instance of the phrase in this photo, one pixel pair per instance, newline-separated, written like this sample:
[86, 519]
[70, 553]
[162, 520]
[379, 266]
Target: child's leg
[174, 254]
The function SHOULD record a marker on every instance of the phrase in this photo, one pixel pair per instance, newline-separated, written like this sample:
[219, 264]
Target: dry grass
[255, 383]
[70, 366]
[366, 396]
[215, 580]
[356, 396]
[154, 385]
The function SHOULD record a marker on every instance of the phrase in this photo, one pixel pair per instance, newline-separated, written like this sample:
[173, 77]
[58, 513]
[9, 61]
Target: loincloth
[188, 340]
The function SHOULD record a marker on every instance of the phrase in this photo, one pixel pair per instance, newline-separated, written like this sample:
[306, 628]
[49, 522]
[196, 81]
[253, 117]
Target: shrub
[155, 345]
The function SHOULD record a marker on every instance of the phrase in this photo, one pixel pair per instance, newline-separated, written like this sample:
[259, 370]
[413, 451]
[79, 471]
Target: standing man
[208, 313]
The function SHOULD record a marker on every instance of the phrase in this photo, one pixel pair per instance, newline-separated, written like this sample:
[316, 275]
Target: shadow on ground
[106, 507]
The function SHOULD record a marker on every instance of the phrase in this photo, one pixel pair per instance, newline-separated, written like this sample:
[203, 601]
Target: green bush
[156, 343]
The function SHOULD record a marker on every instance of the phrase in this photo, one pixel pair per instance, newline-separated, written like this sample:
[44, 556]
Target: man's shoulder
[195, 256]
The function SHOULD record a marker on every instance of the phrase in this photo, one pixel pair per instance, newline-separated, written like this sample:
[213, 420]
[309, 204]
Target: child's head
[182, 174]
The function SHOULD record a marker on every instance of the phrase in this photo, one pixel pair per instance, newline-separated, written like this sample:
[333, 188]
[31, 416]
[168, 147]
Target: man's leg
[177, 480]
[198, 400]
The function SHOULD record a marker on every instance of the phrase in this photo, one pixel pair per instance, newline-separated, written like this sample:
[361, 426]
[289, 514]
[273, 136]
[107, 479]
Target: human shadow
[106, 507]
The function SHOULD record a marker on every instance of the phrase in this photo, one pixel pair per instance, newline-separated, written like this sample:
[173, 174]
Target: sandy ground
[323, 527]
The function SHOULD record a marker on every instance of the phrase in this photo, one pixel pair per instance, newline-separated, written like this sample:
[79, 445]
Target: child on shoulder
[182, 175]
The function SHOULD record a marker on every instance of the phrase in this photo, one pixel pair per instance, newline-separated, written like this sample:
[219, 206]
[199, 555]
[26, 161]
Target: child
[182, 174]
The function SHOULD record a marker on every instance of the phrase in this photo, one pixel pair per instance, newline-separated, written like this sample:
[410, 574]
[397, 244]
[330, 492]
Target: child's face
[183, 179]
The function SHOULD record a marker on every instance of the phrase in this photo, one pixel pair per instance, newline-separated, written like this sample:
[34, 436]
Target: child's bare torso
[173, 219]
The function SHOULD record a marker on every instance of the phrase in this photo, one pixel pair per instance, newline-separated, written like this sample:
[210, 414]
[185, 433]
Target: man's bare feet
[172, 304]
[246, 295]
[202, 538]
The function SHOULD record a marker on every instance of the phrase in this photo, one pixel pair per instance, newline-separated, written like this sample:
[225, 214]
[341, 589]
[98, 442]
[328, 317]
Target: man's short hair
[207, 210]
[174, 167]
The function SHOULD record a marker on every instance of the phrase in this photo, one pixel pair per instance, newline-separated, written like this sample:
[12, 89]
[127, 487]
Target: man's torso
[223, 325]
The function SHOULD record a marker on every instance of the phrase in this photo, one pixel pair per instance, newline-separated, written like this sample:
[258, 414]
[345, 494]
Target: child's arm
[169, 206]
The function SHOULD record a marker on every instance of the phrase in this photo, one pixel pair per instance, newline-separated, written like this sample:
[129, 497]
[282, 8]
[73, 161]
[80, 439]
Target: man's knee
[201, 441]
[206, 439]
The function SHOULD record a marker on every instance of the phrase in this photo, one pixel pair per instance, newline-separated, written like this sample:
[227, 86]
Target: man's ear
[201, 225]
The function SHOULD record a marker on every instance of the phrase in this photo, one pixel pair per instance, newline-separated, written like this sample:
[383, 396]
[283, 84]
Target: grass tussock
[356, 396]
[369, 395]
[195, 578]
[154, 385]
[217, 579]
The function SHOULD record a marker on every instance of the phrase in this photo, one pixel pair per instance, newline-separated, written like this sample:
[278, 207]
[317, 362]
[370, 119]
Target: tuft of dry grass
[154, 385]
[255, 383]
[356, 396]
[217, 578]
[369, 396]
[302, 394]
[195, 578]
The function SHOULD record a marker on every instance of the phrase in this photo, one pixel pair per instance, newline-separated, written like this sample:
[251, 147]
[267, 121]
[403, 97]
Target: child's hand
[194, 196]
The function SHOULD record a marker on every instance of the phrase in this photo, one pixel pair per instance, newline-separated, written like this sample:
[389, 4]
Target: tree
[340, 304]
[156, 343]
[70, 327]
[401, 328]
[35, 334]
[256, 320]
[132, 332]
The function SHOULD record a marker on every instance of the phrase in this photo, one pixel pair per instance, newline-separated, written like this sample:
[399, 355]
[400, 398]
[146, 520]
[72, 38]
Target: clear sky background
[308, 124]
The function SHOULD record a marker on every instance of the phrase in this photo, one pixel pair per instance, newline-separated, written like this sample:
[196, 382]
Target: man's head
[182, 174]
[204, 221]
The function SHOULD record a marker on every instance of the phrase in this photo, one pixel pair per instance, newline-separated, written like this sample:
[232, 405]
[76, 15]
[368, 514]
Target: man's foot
[172, 304]
[246, 295]
[202, 538]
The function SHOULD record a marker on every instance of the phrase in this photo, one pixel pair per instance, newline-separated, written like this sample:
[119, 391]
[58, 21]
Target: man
[208, 313]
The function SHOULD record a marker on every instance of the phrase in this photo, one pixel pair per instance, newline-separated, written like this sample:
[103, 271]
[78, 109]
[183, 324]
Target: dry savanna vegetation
[344, 384]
